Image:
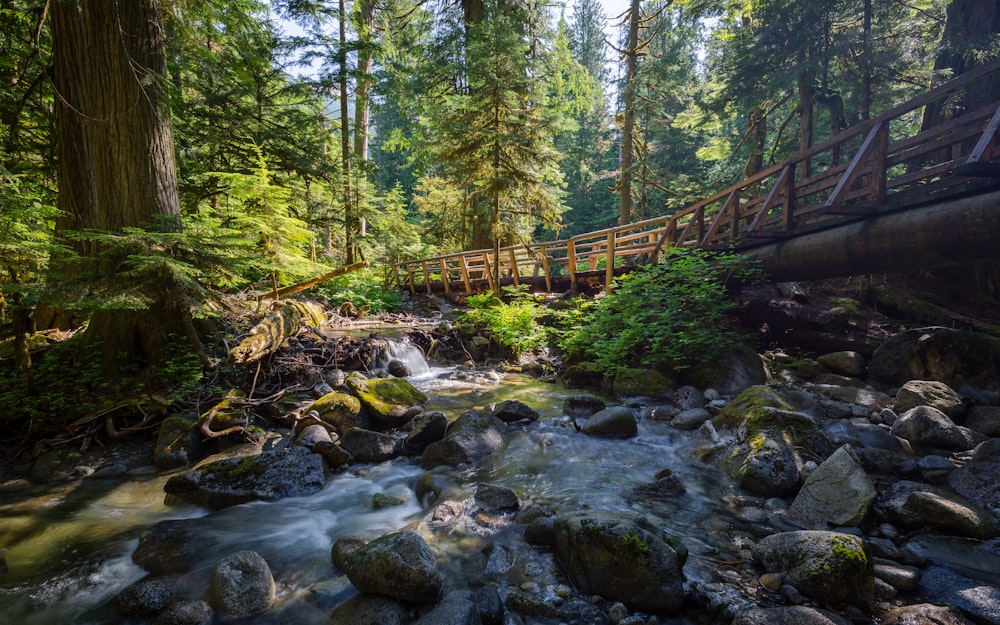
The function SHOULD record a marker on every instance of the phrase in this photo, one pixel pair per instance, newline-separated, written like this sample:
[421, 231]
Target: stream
[69, 548]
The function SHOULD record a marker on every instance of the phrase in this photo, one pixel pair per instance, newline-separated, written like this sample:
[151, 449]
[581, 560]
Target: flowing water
[69, 548]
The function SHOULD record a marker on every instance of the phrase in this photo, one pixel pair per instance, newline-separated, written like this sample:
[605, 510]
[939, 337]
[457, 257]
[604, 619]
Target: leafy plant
[368, 286]
[671, 315]
[512, 323]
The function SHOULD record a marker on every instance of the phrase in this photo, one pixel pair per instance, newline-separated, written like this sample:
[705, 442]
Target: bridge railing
[884, 163]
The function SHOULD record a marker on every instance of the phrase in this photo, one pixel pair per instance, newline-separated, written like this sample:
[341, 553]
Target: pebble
[617, 612]
[791, 595]
[771, 581]
[562, 590]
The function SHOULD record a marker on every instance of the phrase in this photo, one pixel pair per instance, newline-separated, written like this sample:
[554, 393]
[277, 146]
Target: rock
[343, 548]
[789, 615]
[267, 477]
[583, 375]
[171, 547]
[388, 400]
[690, 419]
[149, 596]
[370, 610]
[641, 382]
[924, 614]
[490, 604]
[381, 501]
[827, 566]
[977, 600]
[928, 427]
[336, 456]
[186, 613]
[851, 364]
[311, 435]
[425, 428]
[738, 370]
[623, 558]
[984, 419]
[838, 492]
[966, 556]
[340, 410]
[869, 399]
[979, 478]
[457, 608]
[954, 357]
[614, 422]
[398, 369]
[178, 443]
[369, 446]
[916, 505]
[582, 405]
[399, 565]
[497, 498]
[688, 397]
[242, 585]
[469, 439]
[512, 411]
[900, 577]
[929, 393]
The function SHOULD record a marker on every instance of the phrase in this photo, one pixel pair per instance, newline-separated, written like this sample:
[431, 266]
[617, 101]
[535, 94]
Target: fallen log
[302, 286]
[267, 336]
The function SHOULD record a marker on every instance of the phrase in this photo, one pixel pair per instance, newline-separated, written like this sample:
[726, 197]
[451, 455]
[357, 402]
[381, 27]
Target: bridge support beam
[948, 233]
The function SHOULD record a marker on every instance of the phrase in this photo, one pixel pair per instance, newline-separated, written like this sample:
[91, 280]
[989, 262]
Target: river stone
[583, 375]
[457, 608]
[690, 419]
[929, 393]
[312, 435]
[398, 368]
[512, 411]
[916, 505]
[737, 371]
[851, 364]
[789, 615]
[498, 498]
[838, 492]
[868, 398]
[178, 443]
[369, 446]
[469, 439]
[614, 422]
[388, 400]
[984, 419]
[399, 566]
[268, 477]
[955, 357]
[370, 610]
[928, 427]
[340, 410]
[336, 456]
[978, 600]
[242, 585]
[641, 382]
[925, 614]
[979, 478]
[425, 428]
[186, 613]
[622, 557]
[827, 566]
[899, 576]
[344, 547]
[172, 546]
[490, 604]
[149, 596]
[582, 405]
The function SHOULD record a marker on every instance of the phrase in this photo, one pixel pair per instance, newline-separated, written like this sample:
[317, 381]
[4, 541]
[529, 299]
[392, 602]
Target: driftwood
[302, 286]
[267, 336]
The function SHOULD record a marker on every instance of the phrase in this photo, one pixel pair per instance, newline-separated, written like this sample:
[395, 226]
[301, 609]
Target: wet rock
[490, 604]
[935, 469]
[336, 456]
[827, 566]
[499, 498]
[966, 556]
[344, 547]
[425, 428]
[178, 443]
[186, 613]
[267, 477]
[868, 399]
[614, 422]
[690, 419]
[369, 446]
[388, 400]
[641, 382]
[930, 393]
[172, 546]
[925, 614]
[242, 585]
[471, 437]
[398, 369]
[789, 615]
[513, 411]
[899, 576]
[979, 478]
[149, 596]
[737, 371]
[978, 600]
[667, 485]
[312, 435]
[380, 501]
[688, 397]
[623, 558]
[583, 375]
[370, 610]
[928, 427]
[433, 486]
[457, 608]
[954, 357]
[399, 565]
[838, 492]
[340, 410]
[582, 405]
[984, 419]
[915, 505]
[847, 363]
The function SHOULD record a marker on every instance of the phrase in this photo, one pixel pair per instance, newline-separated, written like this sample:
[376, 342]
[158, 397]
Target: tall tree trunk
[867, 61]
[362, 100]
[806, 82]
[625, 207]
[350, 218]
[116, 150]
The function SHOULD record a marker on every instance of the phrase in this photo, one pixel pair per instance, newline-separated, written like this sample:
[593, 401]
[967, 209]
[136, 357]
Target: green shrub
[512, 323]
[367, 286]
[672, 315]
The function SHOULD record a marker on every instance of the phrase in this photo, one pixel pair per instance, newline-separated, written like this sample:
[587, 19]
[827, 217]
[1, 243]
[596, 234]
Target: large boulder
[925, 614]
[929, 393]
[954, 357]
[614, 422]
[827, 566]
[469, 439]
[917, 505]
[268, 476]
[242, 585]
[457, 608]
[789, 615]
[838, 492]
[399, 566]
[390, 401]
[370, 610]
[513, 411]
[622, 557]
[341, 410]
[979, 478]
[172, 546]
[178, 443]
[737, 371]
[193, 612]
[641, 382]
[149, 596]
[929, 428]
[425, 428]
[369, 446]
[849, 363]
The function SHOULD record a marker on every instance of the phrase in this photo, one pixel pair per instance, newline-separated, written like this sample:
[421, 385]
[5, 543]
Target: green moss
[748, 405]
[637, 549]
[848, 551]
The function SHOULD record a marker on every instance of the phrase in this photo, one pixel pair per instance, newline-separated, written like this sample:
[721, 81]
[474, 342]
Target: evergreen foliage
[511, 321]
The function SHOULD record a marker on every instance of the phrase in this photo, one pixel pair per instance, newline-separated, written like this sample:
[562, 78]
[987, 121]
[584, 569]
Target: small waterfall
[405, 353]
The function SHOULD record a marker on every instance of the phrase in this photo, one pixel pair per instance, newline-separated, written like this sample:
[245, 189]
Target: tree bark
[350, 218]
[626, 202]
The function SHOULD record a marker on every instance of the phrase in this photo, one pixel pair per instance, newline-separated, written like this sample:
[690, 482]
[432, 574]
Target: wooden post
[409, 275]
[444, 276]
[427, 278]
[489, 271]
[734, 226]
[609, 271]
[465, 273]
[571, 259]
[513, 268]
[879, 157]
[788, 210]
[545, 267]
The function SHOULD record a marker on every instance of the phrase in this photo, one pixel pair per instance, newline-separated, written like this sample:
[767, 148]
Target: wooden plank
[788, 210]
[854, 169]
[609, 271]
[409, 274]
[489, 271]
[445, 278]
[513, 268]
[986, 140]
[427, 278]
[771, 197]
[571, 260]
[465, 273]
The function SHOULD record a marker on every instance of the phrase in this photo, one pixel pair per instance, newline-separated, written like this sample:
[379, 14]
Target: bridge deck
[882, 165]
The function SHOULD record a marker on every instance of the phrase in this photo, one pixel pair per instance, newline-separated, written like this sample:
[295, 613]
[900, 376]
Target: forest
[156, 155]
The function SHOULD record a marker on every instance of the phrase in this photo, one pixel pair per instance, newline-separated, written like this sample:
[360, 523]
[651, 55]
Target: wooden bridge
[842, 195]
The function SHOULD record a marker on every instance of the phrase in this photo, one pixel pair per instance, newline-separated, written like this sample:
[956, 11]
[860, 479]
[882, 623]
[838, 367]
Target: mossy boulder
[641, 382]
[390, 401]
[341, 410]
[399, 566]
[584, 375]
[178, 443]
